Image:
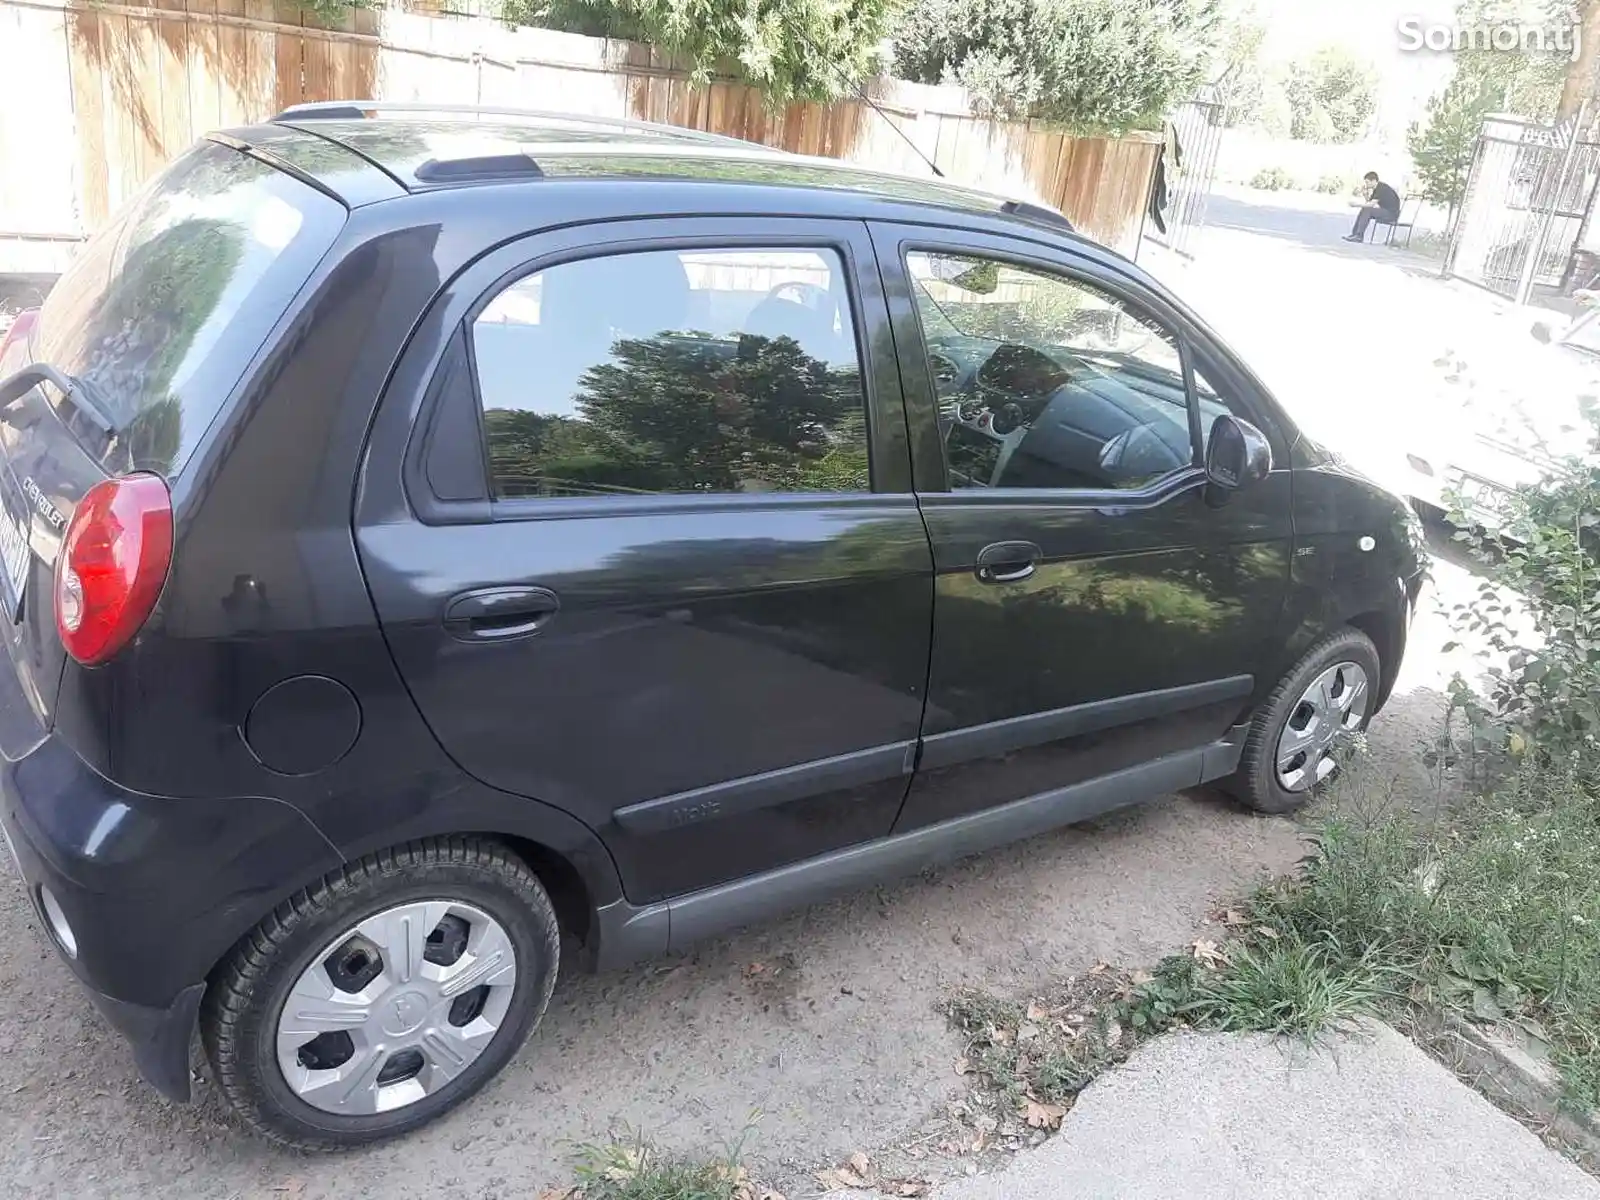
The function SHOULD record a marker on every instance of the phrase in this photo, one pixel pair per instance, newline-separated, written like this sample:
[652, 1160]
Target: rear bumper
[154, 890]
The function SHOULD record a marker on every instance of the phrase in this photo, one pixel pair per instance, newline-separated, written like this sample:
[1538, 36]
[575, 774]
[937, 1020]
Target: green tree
[793, 49]
[1333, 96]
[682, 414]
[1442, 142]
[1237, 81]
[1092, 66]
[1530, 84]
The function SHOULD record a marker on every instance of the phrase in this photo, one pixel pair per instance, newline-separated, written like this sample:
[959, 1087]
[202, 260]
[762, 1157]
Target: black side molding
[1018, 733]
[625, 933]
[770, 788]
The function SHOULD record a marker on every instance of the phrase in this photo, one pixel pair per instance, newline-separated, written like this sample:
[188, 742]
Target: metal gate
[1527, 195]
[1195, 132]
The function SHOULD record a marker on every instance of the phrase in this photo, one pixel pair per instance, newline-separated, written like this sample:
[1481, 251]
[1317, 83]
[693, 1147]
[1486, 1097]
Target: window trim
[511, 508]
[1157, 491]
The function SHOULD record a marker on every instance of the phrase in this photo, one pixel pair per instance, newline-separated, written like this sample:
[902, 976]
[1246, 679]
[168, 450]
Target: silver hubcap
[396, 1008]
[1334, 704]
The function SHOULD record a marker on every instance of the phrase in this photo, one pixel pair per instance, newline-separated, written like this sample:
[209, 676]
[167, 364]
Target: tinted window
[1047, 382]
[674, 371]
[163, 309]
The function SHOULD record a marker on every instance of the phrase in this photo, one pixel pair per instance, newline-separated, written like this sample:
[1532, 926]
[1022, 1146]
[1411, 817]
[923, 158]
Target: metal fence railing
[1196, 129]
[1528, 192]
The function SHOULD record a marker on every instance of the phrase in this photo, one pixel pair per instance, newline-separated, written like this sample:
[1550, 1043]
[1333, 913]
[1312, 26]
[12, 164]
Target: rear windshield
[162, 310]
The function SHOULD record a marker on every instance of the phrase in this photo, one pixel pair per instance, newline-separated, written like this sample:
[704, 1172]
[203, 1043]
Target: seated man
[1382, 206]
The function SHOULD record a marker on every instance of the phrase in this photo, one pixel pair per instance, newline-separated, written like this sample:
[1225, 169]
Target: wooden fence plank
[204, 67]
[288, 49]
[174, 127]
[147, 76]
[85, 56]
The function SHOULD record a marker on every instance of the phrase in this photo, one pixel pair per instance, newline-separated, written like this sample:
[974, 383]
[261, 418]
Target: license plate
[1484, 499]
[14, 555]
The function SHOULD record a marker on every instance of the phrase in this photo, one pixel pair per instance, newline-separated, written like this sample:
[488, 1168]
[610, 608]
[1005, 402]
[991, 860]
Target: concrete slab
[1203, 1116]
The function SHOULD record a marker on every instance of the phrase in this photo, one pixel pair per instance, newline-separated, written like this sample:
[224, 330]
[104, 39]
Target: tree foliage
[1237, 80]
[1093, 66]
[679, 414]
[1529, 84]
[1332, 96]
[793, 49]
[1442, 142]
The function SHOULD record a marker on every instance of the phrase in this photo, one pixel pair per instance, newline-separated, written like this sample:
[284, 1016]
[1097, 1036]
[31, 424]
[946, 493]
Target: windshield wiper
[78, 392]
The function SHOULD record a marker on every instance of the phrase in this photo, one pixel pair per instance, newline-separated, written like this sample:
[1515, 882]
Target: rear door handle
[1007, 562]
[500, 613]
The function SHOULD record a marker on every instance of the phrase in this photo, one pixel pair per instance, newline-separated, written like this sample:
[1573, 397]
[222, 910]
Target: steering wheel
[812, 295]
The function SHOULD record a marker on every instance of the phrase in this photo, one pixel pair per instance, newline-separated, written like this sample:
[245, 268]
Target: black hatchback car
[429, 538]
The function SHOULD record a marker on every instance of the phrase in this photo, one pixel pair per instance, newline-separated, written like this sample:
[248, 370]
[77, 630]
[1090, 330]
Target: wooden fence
[101, 95]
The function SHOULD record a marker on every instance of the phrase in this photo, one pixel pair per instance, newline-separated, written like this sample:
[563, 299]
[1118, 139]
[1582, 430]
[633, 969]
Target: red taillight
[20, 325]
[113, 561]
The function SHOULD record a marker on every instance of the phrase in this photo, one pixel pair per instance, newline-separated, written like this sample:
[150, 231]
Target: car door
[661, 564]
[1098, 608]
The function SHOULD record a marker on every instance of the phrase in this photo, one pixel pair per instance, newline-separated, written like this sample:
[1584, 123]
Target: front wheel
[1329, 695]
[383, 996]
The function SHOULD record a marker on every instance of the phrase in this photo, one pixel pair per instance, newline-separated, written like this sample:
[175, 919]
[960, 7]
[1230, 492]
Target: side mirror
[1238, 454]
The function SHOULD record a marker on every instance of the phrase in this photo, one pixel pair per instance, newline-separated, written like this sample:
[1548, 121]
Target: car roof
[426, 149]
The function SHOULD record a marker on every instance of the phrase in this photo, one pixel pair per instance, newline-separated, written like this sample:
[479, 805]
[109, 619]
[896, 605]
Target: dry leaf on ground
[1208, 953]
[1234, 917]
[1037, 1011]
[860, 1164]
[1099, 968]
[1044, 1116]
[963, 1065]
[841, 1177]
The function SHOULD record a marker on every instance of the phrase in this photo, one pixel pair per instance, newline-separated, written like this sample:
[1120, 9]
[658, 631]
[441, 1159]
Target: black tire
[241, 1007]
[1256, 781]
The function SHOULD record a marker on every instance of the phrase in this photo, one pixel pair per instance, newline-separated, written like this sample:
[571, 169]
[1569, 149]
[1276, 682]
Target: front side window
[1047, 382]
[674, 371]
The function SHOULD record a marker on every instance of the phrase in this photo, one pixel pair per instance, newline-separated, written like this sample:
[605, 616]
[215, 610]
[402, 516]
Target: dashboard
[1019, 416]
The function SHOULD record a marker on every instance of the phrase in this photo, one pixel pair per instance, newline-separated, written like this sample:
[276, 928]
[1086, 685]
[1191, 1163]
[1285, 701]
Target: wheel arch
[1387, 630]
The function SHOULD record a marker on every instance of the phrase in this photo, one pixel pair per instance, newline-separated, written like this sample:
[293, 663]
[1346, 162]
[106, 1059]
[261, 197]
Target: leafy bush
[1272, 179]
[1333, 185]
[1093, 66]
[1539, 610]
[794, 49]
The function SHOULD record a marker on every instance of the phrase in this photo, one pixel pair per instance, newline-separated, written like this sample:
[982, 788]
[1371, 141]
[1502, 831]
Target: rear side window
[162, 310]
[698, 371]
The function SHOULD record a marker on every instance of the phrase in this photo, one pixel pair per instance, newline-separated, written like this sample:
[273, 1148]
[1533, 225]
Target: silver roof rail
[356, 110]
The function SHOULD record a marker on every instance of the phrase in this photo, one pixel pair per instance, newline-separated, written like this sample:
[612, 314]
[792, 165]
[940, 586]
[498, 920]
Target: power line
[869, 102]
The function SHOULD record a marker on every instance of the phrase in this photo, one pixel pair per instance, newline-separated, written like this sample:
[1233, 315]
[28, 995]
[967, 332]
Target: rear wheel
[1290, 750]
[384, 996]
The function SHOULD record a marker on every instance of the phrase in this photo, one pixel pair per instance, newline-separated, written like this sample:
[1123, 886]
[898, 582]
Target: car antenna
[870, 102]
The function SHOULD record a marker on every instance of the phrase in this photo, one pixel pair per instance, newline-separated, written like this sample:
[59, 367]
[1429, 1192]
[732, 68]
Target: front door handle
[1007, 562]
[500, 613]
